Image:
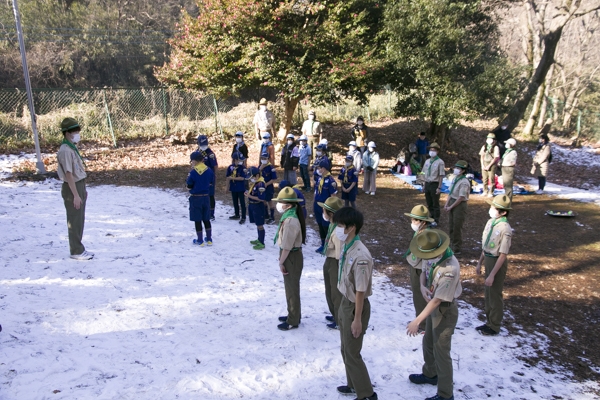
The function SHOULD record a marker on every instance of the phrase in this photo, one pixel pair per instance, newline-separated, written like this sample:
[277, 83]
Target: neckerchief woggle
[290, 213]
[72, 146]
[254, 183]
[447, 254]
[496, 222]
[343, 256]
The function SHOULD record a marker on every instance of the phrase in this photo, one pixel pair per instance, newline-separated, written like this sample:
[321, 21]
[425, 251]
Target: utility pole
[39, 165]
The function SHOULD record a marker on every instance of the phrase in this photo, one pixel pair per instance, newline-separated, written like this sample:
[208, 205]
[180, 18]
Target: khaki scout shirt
[446, 280]
[509, 159]
[69, 161]
[500, 238]
[264, 120]
[357, 272]
[433, 170]
[489, 156]
[414, 261]
[312, 128]
[290, 234]
[461, 189]
[334, 246]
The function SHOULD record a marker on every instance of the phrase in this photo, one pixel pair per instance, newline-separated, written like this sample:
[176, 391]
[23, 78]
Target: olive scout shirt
[461, 189]
[357, 272]
[334, 246]
[433, 173]
[510, 158]
[414, 261]
[69, 161]
[446, 284]
[499, 240]
[290, 234]
[487, 157]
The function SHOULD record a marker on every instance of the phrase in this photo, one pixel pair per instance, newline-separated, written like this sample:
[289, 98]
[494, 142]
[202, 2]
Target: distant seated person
[297, 189]
[402, 163]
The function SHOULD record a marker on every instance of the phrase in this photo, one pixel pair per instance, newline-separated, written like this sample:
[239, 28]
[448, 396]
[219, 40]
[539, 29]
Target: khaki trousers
[313, 142]
[456, 220]
[293, 264]
[488, 179]
[494, 305]
[357, 375]
[437, 344]
[508, 177]
[369, 181]
[75, 218]
[418, 299]
[332, 294]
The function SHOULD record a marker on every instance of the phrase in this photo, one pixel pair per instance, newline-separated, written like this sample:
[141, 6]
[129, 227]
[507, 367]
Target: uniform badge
[492, 245]
[414, 257]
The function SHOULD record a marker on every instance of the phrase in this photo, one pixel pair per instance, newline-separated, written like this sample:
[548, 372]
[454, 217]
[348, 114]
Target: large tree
[324, 51]
[446, 62]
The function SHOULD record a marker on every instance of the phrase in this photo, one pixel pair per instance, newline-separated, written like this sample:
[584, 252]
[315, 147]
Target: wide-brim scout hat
[420, 212]
[501, 202]
[461, 164]
[491, 136]
[332, 204]
[429, 244]
[69, 123]
[287, 195]
[262, 102]
[434, 145]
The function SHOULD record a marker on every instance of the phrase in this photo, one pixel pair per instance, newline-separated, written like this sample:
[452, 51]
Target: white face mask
[434, 153]
[508, 145]
[494, 213]
[348, 163]
[352, 148]
[263, 108]
[339, 232]
[401, 159]
[76, 138]
[240, 163]
[457, 171]
[290, 142]
[489, 141]
[280, 208]
[302, 143]
[325, 216]
[311, 117]
[415, 227]
[371, 149]
[266, 140]
[253, 180]
[504, 127]
[263, 161]
[203, 148]
[359, 123]
[239, 140]
[319, 153]
[319, 172]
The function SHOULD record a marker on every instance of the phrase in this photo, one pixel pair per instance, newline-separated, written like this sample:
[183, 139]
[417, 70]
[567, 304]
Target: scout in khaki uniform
[71, 171]
[509, 161]
[264, 120]
[496, 241]
[355, 283]
[290, 236]
[440, 286]
[456, 204]
[490, 155]
[434, 175]
[332, 251]
[420, 221]
[313, 130]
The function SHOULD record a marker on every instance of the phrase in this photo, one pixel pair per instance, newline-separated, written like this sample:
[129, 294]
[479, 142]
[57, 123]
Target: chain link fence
[109, 115]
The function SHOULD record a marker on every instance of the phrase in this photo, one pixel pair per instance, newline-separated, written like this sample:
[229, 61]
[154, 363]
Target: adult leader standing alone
[71, 171]
[264, 120]
[313, 131]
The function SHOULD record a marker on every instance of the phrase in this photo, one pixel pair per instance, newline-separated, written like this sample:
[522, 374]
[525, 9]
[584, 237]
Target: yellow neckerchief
[261, 179]
[200, 168]
[234, 172]
[347, 173]
[323, 180]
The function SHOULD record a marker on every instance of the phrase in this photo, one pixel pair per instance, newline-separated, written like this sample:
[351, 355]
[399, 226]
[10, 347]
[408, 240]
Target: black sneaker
[242, 221]
[480, 327]
[286, 327]
[421, 379]
[487, 331]
[234, 217]
[438, 397]
[346, 390]
[333, 325]
[330, 318]
[283, 318]
[371, 397]
[212, 218]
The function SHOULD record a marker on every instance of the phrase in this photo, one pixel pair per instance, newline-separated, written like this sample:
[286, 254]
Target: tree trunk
[535, 111]
[520, 106]
[544, 108]
[439, 133]
[286, 125]
[570, 103]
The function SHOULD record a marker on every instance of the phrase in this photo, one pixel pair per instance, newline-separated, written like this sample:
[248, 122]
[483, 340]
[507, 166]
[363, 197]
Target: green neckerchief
[506, 152]
[290, 213]
[489, 148]
[343, 257]
[329, 232]
[431, 161]
[71, 145]
[496, 222]
[447, 254]
[455, 182]
[312, 127]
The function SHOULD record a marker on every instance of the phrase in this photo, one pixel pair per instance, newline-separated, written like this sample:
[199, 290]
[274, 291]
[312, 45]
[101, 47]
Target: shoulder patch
[449, 275]
[362, 263]
[261, 189]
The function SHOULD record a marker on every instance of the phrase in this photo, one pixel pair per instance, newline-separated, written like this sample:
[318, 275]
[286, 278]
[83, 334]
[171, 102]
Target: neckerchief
[72, 146]
[496, 222]
[261, 179]
[343, 256]
[506, 152]
[431, 161]
[312, 127]
[290, 213]
[234, 171]
[489, 148]
[200, 168]
[322, 180]
[329, 232]
[347, 173]
[447, 254]
[455, 182]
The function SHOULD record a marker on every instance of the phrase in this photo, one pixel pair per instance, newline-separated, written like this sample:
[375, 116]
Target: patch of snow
[565, 192]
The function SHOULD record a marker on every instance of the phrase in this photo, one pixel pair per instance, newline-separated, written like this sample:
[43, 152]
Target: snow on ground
[566, 192]
[583, 156]
[152, 317]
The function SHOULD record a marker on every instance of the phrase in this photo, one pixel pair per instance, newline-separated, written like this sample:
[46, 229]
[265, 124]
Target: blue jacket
[200, 183]
[236, 171]
[328, 189]
[268, 173]
[422, 146]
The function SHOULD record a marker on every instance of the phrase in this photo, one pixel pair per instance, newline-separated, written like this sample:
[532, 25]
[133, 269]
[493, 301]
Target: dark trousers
[357, 375]
[239, 200]
[456, 220]
[433, 200]
[332, 294]
[293, 264]
[75, 217]
[212, 206]
[305, 176]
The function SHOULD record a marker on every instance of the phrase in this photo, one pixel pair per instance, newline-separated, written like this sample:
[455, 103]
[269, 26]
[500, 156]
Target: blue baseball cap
[202, 140]
[196, 156]
[322, 147]
[239, 134]
[238, 156]
[264, 155]
[323, 164]
[253, 171]
[284, 184]
[349, 158]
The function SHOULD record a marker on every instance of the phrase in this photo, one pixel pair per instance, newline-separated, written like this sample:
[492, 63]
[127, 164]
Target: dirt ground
[552, 288]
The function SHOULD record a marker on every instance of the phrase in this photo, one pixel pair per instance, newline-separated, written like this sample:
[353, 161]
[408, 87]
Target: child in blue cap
[321, 155]
[325, 187]
[210, 159]
[198, 182]
[256, 206]
[349, 178]
[269, 175]
[302, 200]
[236, 178]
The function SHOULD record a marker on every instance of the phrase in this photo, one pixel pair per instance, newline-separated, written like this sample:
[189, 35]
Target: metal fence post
[110, 127]
[218, 126]
[164, 101]
[368, 113]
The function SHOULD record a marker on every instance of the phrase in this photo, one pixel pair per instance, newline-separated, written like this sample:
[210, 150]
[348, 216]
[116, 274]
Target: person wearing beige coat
[542, 158]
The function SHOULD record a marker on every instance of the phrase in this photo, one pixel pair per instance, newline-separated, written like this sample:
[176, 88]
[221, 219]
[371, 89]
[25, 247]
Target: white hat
[303, 137]
[512, 142]
[324, 141]
[352, 143]
[371, 144]
[266, 135]
[290, 136]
